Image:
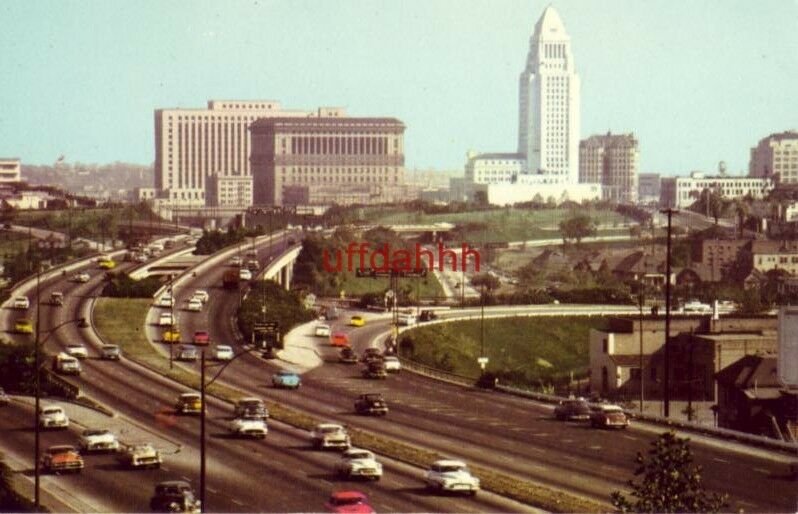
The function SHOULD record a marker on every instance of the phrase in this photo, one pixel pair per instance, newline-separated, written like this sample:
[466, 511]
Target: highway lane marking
[595, 447]
[237, 502]
[760, 470]
[567, 440]
[743, 502]
[716, 459]
[211, 489]
[630, 437]
[186, 479]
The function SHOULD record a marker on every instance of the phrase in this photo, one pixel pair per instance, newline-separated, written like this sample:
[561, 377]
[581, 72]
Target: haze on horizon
[697, 82]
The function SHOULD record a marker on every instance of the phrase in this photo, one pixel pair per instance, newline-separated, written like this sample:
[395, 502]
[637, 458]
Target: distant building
[612, 161]
[773, 255]
[717, 255]
[776, 156]
[28, 200]
[144, 193]
[10, 169]
[681, 192]
[359, 158]
[493, 168]
[648, 185]
[228, 191]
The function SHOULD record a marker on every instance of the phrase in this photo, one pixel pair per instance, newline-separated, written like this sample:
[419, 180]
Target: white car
[235, 261]
[244, 274]
[81, 278]
[322, 330]
[194, 305]
[96, 440]
[359, 463]
[201, 294]
[392, 363]
[21, 302]
[407, 320]
[249, 428]
[53, 416]
[166, 319]
[139, 455]
[330, 435]
[451, 475]
[223, 352]
[77, 350]
[166, 300]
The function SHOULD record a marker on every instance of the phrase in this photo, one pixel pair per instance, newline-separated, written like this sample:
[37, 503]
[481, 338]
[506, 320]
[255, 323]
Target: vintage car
[187, 353]
[223, 352]
[244, 274]
[357, 321]
[62, 457]
[194, 305]
[171, 335]
[139, 456]
[166, 300]
[66, 364]
[250, 408]
[574, 409]
[56, 299]
[330, 435]
[357, 463]
[392, 363]
[427, 315]
[167, 319]
[371, 403]
[348, 502]
[608, 416]
[23, 326]
[451, 475]
[375, 369]
[188, 403]
[78, 351]
[245, 427]
[110, 352]
[339, 339]
[322, 330]
[201, 337]
[81, 278]
[174, 496]
[286, 380]
[370, 353]
[21, 302]
[53, 416]
[98, 440]
[347, 356]
[201, 295]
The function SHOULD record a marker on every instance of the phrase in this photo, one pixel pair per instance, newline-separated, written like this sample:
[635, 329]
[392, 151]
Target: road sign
[266, 327]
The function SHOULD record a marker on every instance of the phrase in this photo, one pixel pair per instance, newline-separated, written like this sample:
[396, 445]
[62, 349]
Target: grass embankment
[122, 320]
[426, 288]
[523, 351]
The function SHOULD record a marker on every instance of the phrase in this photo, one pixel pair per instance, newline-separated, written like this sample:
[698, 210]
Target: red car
[349, 502]
[201, 337]
[339, 339]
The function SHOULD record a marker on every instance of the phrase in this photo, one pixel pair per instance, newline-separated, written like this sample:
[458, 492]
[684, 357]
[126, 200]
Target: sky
[697, 81]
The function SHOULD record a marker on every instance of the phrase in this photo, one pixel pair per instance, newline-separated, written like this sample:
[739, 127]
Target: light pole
[666, 383]
[641, 299]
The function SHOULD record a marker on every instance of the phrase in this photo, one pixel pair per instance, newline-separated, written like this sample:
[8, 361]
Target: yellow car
[107, 264]
[171, 335]
[357, 321]
[23, 326]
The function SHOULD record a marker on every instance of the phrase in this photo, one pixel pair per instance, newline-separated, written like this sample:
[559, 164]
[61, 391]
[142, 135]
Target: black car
[174, 496]
[347, 356]
[371, 403]
[370, 353]
[375, 368]
[569, 410]
[427, 315]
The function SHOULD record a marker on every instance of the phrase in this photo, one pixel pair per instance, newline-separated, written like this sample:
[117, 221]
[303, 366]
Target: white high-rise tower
[548, 128]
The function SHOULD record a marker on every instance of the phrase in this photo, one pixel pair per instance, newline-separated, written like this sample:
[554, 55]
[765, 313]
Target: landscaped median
[121, 321]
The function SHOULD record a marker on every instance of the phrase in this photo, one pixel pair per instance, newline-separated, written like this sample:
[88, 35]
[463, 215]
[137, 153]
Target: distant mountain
[82, 178]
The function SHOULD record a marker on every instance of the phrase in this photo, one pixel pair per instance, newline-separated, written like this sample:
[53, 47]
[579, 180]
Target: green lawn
[426, 288]
[522, 350]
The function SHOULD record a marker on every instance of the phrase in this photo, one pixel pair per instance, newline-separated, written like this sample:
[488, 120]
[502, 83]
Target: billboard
[788, 346]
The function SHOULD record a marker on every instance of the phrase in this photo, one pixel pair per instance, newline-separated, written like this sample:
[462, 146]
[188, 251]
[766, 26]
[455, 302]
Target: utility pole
[202, 431]
[640, 301]
[666, 393]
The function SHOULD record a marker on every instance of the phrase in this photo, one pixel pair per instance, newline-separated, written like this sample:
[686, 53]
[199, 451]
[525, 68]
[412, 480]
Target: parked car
[357, 321]
[371, 403]
[357, 463]
[187, 352]
[322, 330]
[339, 339]
[62, 457]
[110, 352]
[286, 379]
[98, 440]
[347, 356]
[194, 305]
[392, 363]
[250, 408]
[21, 302]
[174, 496]
[223, 352]
[570, 410]
[330, 435]
[139, 455]
[23, 326]
[77, 350]
[348, 502]
[201, 337]
[4, 399]
[608, 416]
[451, 475]
[245, 427]
[53, 416]
[188, 403]
[427, 315]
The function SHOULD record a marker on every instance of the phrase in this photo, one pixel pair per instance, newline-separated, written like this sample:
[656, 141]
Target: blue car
[286, 379]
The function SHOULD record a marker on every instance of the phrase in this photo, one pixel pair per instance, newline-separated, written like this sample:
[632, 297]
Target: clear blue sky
[697, 81]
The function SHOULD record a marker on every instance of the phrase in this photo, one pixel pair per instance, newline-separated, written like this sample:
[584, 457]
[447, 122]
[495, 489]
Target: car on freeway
[370, 353]
[78, 351]
[357, 321]
[194, 305]
[608, 416]
[245, 427]
[56, 299]
[250, 408]
[223, 352]
[330, 435]
[244, 274]
[174, 496]
[140, 257]
[53, 416]
[166, 300]
[171, 335]
[286, 380]
[339, 339]
[4, 399]
[358, 463]
[98, 440]
[201, 337]
[372, 404]
[62, 457]
[110, 352]
[106, 262]
[235, 261]
[252, 265]
[139, 456]
[167, 319]
[322, 330]
[573, 409]
[66, 364]
[407, 320]
[375, 369]
[23, 326]
[188, 403]
[347, 356]
[348, 502]
[187, 352]
[21, 302]
[81, 278]
[202, 295]
[427, 315]
[392, 364]
[451, 475]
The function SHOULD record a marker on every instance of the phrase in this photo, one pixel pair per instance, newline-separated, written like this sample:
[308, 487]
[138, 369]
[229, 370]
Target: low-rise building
[228, 190]
[648, 187]
[681, 192]
[775, 255]
[493, 168]
[10, 169]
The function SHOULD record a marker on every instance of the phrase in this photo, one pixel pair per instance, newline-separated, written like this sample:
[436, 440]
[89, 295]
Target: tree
[670, 481]
[577, 228]
[486, 280]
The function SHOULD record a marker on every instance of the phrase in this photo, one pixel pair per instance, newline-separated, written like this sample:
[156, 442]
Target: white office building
[681, 192]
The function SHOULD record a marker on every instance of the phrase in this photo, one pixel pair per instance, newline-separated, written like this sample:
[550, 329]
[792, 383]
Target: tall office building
[192, 144]
[776, 154]
[611, 160]
[548, 127]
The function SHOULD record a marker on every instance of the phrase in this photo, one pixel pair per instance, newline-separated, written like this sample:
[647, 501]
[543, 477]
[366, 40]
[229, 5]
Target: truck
[230, 279]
